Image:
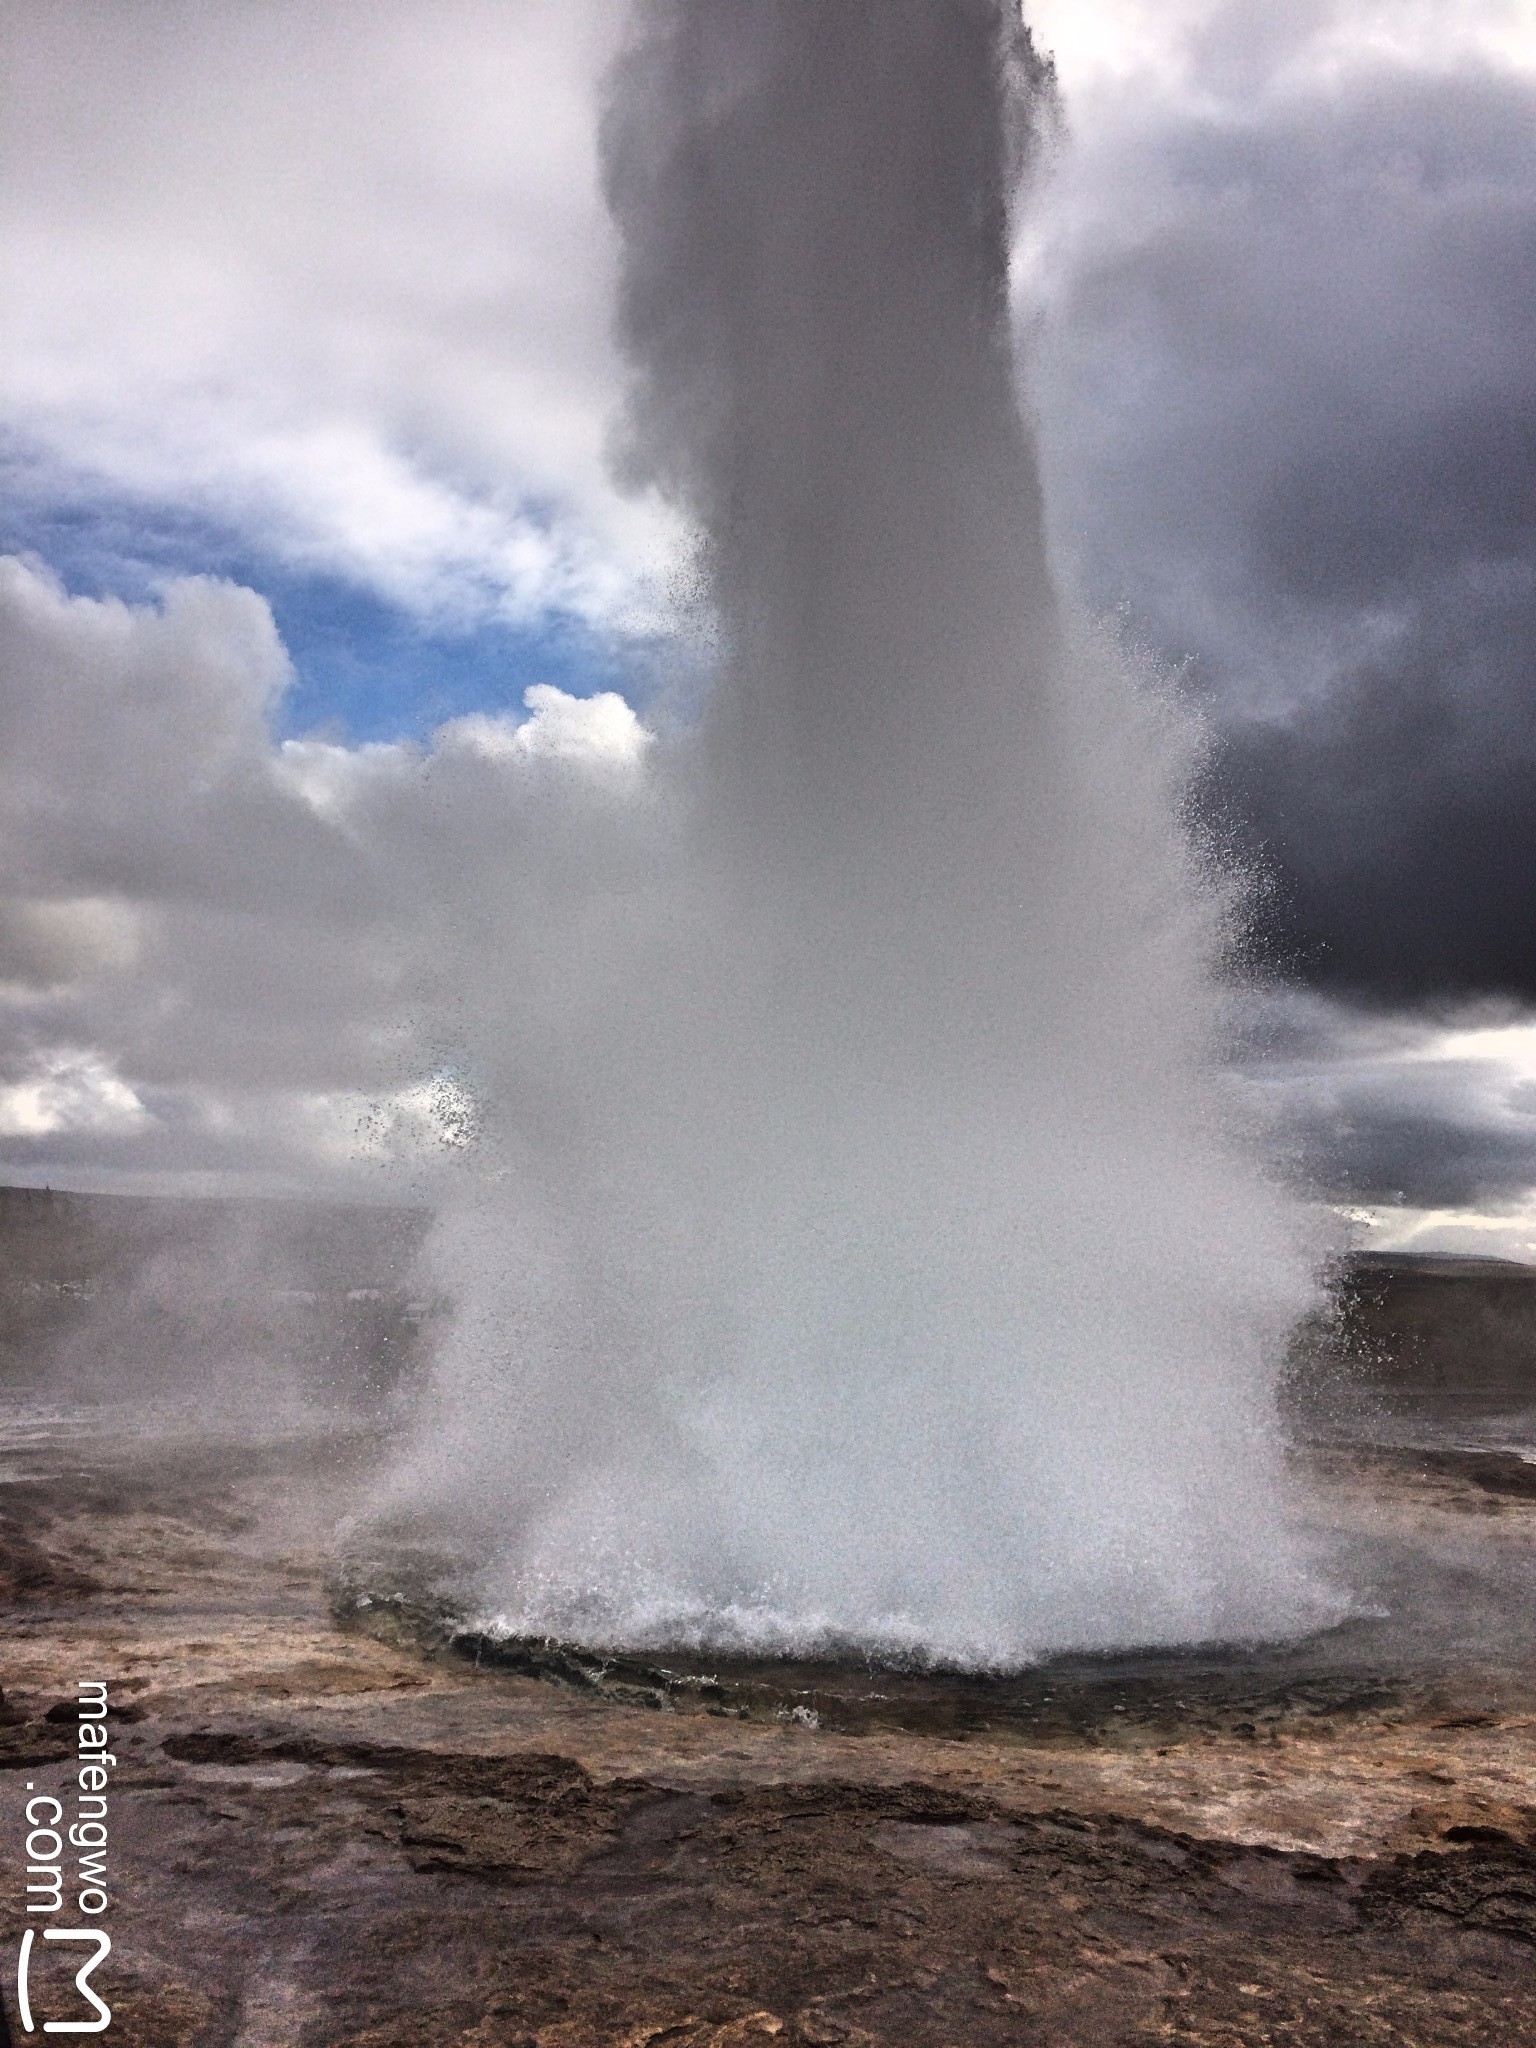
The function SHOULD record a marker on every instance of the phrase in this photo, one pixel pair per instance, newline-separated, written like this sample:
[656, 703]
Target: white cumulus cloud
[69, 1090]
[222, 953]
[334, 279]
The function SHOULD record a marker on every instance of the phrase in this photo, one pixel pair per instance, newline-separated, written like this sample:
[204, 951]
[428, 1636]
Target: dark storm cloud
[1394, 1154]
[1427, 1111]
[1290, 397]
[1439, 1143]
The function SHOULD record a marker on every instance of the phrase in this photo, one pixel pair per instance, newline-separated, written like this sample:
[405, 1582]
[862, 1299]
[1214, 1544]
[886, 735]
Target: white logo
[23, 1966]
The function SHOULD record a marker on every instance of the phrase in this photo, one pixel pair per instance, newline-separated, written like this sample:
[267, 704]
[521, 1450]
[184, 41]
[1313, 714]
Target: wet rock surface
[541, 1908]
[335, 1829]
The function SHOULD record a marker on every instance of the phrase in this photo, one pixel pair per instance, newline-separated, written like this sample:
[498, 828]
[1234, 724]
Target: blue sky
[365, 668]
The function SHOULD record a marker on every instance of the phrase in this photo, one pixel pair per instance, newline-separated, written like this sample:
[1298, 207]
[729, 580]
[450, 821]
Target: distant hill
[102, 1290]
[138, 1292]
[1442, 1266]
[1437, 1325]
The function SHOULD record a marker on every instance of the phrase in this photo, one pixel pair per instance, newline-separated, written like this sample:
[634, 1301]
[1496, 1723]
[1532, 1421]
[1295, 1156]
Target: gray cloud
[1290, 403]
[1423, 1112]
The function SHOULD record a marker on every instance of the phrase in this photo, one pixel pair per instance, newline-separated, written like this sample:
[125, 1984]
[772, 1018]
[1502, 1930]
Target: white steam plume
[871, 1257]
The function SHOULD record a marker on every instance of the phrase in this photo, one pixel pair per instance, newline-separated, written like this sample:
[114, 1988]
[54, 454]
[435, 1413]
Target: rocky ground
[330, 1828]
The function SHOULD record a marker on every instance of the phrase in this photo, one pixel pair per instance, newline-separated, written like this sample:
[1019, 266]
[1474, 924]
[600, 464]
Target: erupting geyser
[871, 1257]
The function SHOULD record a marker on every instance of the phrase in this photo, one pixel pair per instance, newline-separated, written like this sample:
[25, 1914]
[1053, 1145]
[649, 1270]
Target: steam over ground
[872, 1256]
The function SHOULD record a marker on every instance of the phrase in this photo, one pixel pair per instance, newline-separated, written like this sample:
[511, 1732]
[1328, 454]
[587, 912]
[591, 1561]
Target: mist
[865, 1252]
